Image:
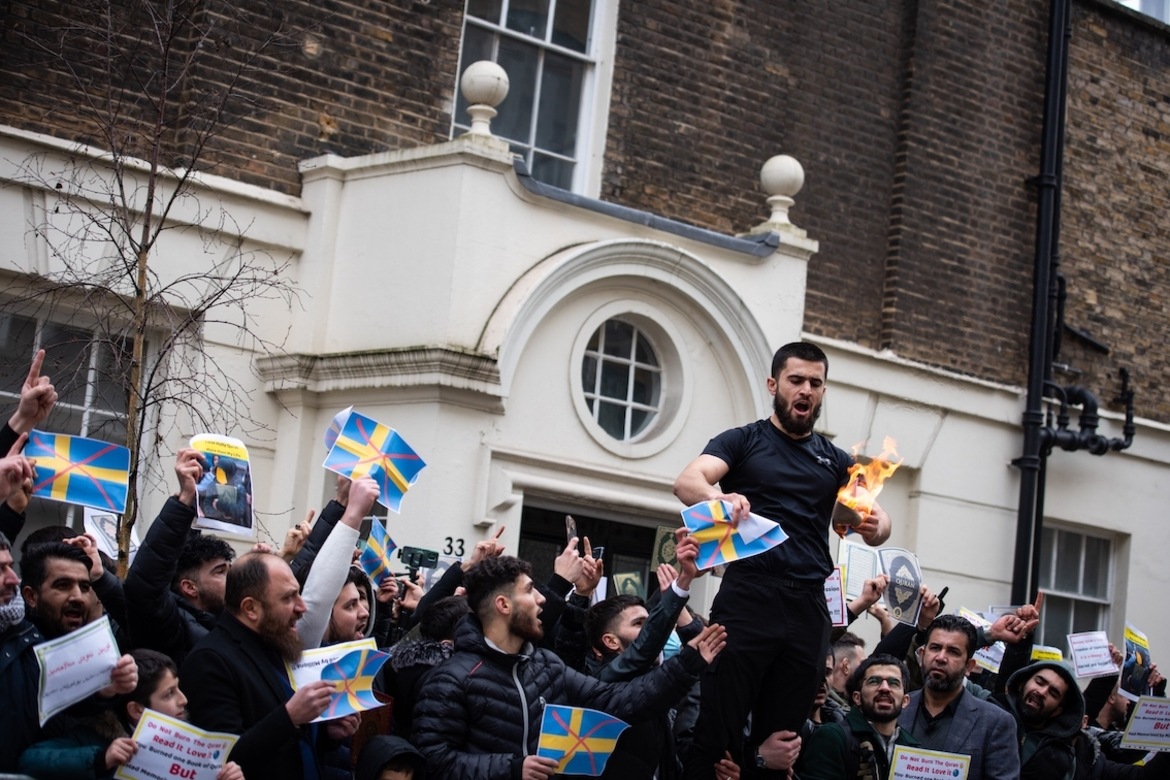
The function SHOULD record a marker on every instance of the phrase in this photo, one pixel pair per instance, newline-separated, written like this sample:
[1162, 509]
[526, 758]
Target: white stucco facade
[443, 297]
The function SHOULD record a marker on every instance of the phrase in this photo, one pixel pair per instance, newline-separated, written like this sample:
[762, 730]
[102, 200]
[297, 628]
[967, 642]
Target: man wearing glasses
[862, 745]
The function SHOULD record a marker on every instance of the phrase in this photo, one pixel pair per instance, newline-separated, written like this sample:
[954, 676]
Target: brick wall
[308, 77]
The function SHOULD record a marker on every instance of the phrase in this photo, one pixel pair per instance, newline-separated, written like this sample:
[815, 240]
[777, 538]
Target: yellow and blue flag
[79, 471]
[364, 447]
[352, 676]
[578, 739]
[720, 542]
[375, 557]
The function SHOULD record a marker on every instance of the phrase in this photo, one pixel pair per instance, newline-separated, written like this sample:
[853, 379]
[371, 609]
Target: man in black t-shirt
[773, 604]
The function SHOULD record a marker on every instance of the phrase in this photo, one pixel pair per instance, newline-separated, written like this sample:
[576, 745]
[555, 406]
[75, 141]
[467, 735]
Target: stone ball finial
[782, 175]
[484, 85]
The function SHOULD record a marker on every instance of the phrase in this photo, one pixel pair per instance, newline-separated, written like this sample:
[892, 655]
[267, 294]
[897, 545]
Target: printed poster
[169, 748]
[835, 599]
[224, 495]
[1135, 670]
[1149, 726]
[1090, 654]
[918, 764]
[75, 666]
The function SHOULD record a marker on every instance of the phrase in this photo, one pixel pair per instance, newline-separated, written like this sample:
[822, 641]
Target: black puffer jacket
[159, 618]
[478, 715]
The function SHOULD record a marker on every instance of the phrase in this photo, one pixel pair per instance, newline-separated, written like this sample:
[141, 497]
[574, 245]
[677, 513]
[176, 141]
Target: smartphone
[570, 529]
[598, 552]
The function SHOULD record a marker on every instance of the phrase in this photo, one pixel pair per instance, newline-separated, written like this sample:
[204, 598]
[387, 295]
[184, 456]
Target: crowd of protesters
[764, 689]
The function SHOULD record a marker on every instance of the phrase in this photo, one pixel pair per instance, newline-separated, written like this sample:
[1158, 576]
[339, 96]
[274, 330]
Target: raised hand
[710, 642]
[569, 563]
[309, 701]
[37, 397]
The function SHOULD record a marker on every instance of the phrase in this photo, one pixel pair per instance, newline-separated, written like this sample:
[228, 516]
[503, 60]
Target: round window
[621, 379]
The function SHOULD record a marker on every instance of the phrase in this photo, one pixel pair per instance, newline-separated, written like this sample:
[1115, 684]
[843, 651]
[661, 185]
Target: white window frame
[1049, 558]
[596, 85]
[1155, 9]
[631, 364]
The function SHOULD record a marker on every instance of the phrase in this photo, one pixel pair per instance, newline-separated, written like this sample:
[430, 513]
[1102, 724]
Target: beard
[212, 602]
[793, 426]
[872, 714]
[276, 634]
[944, 684]
[526, 627]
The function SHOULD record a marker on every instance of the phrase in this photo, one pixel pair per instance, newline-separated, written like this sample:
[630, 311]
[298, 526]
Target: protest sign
[169, 748]
[224, 495]
[74, 666]
[1090, 654]
[1135, 669]
[835, 598]
[1149, 726]
[720, 542]
[104, 527]
[1047, 653]
[918, 764]
[351, 667]
[988, 658]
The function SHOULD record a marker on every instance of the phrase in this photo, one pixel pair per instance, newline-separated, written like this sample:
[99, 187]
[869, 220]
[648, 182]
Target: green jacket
[848, 750]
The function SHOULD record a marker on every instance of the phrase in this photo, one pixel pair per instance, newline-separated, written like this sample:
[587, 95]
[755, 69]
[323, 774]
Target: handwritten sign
[74, 666]
[917, 764]
[835, 598]
[169, 748]
[1149, 726]
[1090, 654]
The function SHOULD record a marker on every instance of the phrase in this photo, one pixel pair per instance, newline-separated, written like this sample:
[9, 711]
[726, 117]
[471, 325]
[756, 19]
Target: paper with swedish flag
[351, 667]
[578, 739]
[375, 557]
[364, 447]
[720, 542]
[79, 471]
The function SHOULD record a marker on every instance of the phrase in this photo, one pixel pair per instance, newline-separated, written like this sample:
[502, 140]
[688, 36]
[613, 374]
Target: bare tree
[158, 83]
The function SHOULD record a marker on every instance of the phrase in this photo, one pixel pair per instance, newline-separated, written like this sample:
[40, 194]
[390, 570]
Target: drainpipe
[1031, 511]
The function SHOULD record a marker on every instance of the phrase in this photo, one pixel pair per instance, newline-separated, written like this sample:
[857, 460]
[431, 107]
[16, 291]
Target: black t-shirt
[791, 481]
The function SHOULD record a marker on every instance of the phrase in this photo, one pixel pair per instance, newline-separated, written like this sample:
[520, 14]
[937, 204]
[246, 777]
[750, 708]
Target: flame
[866, 479]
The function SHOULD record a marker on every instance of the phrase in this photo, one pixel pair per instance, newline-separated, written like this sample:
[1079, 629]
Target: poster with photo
[224, 500]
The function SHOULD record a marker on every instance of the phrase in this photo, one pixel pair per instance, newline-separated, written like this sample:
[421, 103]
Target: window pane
[67, 361]
[571, 24]
[560, 103]
[644, 352]
[615, 380]
[1047, 549]
[477, 45]
[63, 420]
[612, 418]
[552, 171]
[1068, 560]
[17, 338]
[646, 386]
[594, 340]
[529, 17]
[618, 338]
[485, 9]
[639, 418]
[1086, 616]
[113, 376]
[1057, 616]
[589, 374]
[519, 60]
[1096, 581]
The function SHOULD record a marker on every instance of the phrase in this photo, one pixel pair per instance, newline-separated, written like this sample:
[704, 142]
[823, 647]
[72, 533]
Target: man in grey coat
[944, 716]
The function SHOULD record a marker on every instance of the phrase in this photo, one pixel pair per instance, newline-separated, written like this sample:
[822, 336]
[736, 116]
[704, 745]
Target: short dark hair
[151, 665]
[853, 684]
[486, 579]
[248, 578]
[958, 625]
[801, 350]
[197, 550]
[846, 641]
[439, 619]
[32, 563]
[600, 618]
[50, 533]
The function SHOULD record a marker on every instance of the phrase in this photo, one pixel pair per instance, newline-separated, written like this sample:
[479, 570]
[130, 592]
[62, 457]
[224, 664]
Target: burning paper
[856, 499]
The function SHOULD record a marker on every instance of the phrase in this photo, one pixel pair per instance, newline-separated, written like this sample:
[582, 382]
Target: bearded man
[862, 745]
[945, 716]
[236, 682]
[773, 605]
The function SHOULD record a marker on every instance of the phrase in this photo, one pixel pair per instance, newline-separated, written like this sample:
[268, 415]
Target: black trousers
[777, 639]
